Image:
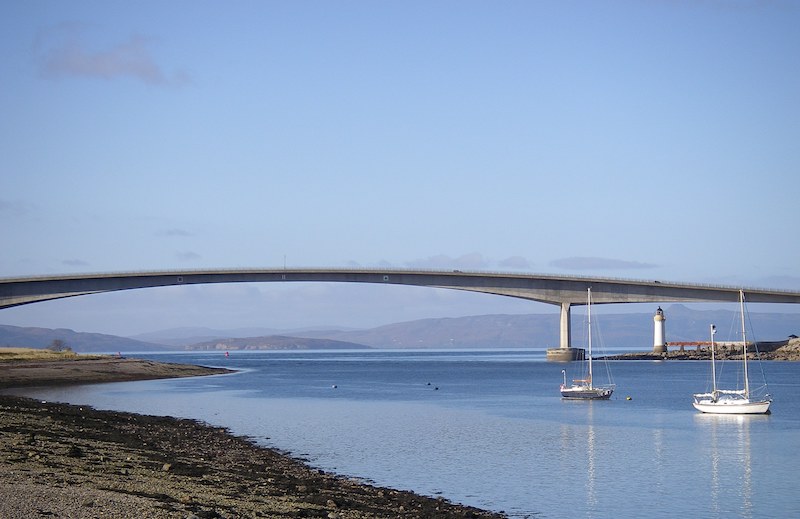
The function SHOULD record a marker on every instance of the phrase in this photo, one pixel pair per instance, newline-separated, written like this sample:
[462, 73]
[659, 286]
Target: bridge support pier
[565, 352]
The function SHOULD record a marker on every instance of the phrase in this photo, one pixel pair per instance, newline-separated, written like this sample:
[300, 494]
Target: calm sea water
[488, 428]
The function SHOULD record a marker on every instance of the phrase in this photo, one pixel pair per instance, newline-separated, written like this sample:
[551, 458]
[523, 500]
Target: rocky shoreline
[61, 460]
[781, 351]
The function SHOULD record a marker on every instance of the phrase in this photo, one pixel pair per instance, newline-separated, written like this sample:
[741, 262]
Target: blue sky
[634, 139]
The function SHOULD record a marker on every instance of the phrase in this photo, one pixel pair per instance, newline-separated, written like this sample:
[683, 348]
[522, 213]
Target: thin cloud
[187, 256]
[382, 264]
[62, 53]
[15, 208]
[175, 232]
[75, 263]
[473, 261]
[515, 262]
[590, 263]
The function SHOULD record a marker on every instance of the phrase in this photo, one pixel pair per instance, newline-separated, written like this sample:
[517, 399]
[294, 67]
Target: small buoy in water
[628, 398]
[436, 388]
[334, 386]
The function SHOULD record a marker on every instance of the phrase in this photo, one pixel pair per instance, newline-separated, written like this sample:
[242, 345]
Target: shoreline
[95, 370]
[75, 461]
[778, 351]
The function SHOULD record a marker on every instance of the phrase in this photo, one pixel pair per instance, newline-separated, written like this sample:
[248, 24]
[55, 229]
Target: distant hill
[187, 336]
[78, 341]
[181, 337]
[275, 342]
[630, 331]
[482, 331]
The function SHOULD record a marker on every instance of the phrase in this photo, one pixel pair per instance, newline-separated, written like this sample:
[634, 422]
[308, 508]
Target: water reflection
[658, 449]
[591, 496]
[580, 457]
[731, 478]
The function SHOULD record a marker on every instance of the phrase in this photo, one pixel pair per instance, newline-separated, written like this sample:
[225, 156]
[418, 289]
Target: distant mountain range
[275, 342]
[185, 336]
[79, 341]
[633, 331]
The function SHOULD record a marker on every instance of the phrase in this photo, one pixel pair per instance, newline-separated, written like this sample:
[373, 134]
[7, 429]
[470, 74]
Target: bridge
[564, 291]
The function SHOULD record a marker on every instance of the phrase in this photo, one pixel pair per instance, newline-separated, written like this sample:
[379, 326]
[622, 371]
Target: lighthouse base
[565, 354]
[660, 348]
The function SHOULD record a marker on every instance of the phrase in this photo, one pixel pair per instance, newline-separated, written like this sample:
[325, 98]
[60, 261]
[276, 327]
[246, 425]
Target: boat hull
[586, 393]
[732, 407]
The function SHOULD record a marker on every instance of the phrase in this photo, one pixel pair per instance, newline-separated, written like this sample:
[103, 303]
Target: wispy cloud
[515, 262]
[473, 261]
[590, 263]
[175, 232]
[75, 263]
[63, 53]
[187, 256]
[15, 208]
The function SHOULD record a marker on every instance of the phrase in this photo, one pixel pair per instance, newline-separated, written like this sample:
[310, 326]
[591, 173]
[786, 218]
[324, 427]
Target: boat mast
[713, 363]
[744, 346]
[589, 315]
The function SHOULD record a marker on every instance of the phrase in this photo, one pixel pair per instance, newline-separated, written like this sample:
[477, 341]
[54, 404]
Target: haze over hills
[31, 337]
[83, 342]
[624, 330]
[631, 331]
[275, 342]
[184, 336]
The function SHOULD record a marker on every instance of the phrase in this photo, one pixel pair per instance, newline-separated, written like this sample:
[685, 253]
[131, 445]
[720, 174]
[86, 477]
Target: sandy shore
[94, 370]
[59, 460]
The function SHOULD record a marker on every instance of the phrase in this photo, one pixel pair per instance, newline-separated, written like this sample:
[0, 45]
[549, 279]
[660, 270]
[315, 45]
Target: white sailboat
[731, 401]
[584, 389]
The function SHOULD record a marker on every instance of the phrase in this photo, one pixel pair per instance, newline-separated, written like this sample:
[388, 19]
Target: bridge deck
[565, 291]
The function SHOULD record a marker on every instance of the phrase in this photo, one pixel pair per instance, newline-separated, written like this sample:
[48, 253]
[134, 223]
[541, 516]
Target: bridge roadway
[564, 291]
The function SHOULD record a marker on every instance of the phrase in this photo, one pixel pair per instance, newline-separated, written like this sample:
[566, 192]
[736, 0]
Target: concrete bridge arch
[564, 291]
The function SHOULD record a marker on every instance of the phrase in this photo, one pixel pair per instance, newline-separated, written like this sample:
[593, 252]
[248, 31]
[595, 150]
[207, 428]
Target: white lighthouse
[659, 345]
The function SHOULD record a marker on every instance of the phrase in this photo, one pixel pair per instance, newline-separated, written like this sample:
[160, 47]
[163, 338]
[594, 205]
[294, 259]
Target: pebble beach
[60, 460]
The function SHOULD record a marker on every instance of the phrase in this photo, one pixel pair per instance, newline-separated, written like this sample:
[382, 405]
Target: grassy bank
[33, 354]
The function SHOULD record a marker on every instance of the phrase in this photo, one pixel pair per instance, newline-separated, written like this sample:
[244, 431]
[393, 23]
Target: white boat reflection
[731, 481]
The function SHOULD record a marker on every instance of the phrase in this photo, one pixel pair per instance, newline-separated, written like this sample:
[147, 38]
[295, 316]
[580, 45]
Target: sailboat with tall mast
[731, 401]
[584, 388]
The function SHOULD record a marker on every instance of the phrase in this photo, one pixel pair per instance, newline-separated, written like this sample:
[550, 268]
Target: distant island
[273, 342]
